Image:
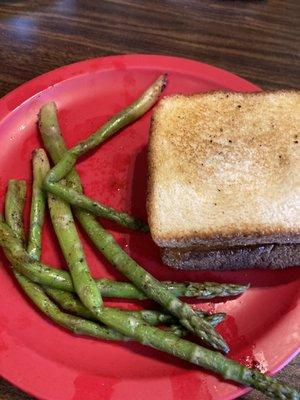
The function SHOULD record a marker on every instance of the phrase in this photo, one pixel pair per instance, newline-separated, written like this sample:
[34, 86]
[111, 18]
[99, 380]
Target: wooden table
[258, 40]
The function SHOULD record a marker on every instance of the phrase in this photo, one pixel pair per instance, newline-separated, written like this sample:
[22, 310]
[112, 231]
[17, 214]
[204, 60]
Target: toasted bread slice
[224, 169]
[269, 256]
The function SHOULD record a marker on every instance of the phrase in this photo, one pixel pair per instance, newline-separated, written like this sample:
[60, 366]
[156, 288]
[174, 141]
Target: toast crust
[224, 169]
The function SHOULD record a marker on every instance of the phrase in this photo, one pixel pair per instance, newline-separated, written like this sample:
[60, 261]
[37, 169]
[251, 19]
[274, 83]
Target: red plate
[262, 326]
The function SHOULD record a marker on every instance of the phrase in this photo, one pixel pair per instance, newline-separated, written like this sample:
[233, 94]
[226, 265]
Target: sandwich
[224, 180]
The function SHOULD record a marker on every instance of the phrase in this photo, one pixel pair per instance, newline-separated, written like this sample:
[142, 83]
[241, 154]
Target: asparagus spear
[40, 168]
[96, 208]
[66, 232]
[73, 305]
[15, 201]
[203, 290]
[115, 123]
[50, 131]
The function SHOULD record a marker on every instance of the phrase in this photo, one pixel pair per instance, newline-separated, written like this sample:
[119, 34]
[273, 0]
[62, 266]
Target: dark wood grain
[259, 40]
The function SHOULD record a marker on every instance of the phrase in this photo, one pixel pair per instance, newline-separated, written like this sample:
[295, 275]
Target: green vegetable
[40, 169]
[208, 290]
[50, 131]
[204, 290]
[66, 232]
[79, 200]
[14, 205]
[73, 305]
[113, 125]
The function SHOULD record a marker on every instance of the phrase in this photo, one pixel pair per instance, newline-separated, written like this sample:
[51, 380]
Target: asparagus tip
[242, 289]
[47, 108]
[50, 105]
[39, 152]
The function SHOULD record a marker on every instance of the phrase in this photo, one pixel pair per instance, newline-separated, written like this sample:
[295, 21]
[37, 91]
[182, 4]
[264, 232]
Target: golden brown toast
[224, 169]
